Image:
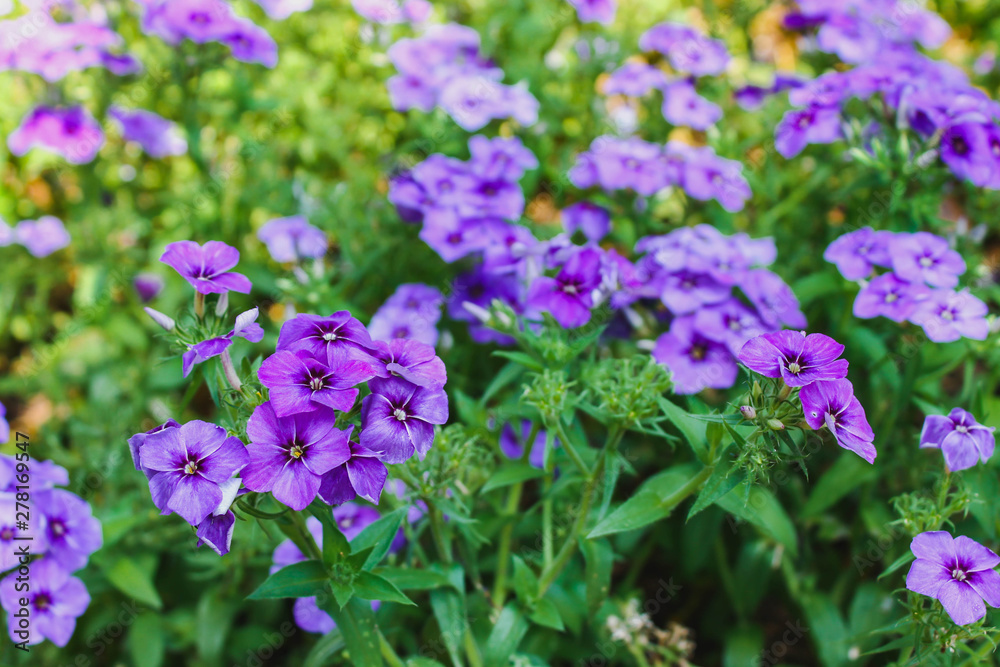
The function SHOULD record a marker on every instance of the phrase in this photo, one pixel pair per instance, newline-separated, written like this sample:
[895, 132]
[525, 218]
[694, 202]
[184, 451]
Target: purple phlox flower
[683, 106]
[801, 127]
[300, 383]
[327, 339]
[158, 136]
[409, 197]
[595, 11]
[695, 361]
[473, 100]
[831, 403]
[383, 12]
[446, 181]
[44, 474]
[721, 257]
[11, 535]
[828, 90]
[635, 79]
[924, 26]
[206, 267]
[686, 291]
[292, 239]
[413, 361]
[795, 357]
[246, 327]
[451, 236]
[289, 455]
[148, 286]
[708, 176]
[888, 296]
[71, 530]
[758, 252]
[200, 21]
[480, 288]
[363, 474]
[393, 323]
[398, 417]
[621, 282]
[55, 601]
[136, 442]
[963, 441]
[36, 43]
[250, 43]
[858, 252]
[42, 237]
[947, 316]
[925, 257]
[688, 51]
[509, 248]
[634, 164]
[730, 322]
[190, 465]
[280, 10]
[512, 444]
[853, 38]
[499, 158]
[569, 296]
[965, 149]
[493, 199]
[593, 220]
[958, 572]
[217, 529]
[774, 300]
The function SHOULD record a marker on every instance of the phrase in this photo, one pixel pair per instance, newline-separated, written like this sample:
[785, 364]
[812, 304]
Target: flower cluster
[444, 68]
[957, 571]
[633, 164]
[919, 287]
[412, 312]
[812, 364]
[41, 237]
[963, 441]
[693, 271]
[63, 532]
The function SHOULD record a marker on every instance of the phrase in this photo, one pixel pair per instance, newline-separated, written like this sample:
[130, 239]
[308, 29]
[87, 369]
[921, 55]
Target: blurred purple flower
[695, 361]
[926, 257]
[71, 530]
[569, 296]
[593, 220]
[158, 136]
[292, 239]
[148, 286]
[858, 252]
[55, 601]
[888, 296]
[42, 237]
[947, 316]
[683, 106]
[512, 444]
[963, 441]
[595, 11]
[801, 127]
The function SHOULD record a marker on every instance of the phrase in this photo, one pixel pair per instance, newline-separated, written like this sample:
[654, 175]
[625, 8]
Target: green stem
[437, 529]
[507, 532]
[547, 520]
[305, 541]
[570, 448]
[199, 304]
[388, 654]
[472, 650]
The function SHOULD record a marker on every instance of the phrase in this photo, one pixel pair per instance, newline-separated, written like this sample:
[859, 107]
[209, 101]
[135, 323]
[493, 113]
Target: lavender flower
[593, 220]
[500, 158]
[71, 531]
[512, 444]
[858, 252]
[595, 11]
[687, 50]
[136, 442]
[11, 535]
[363, 474]
[206, 267]
[289, 455]
[730, 323]
[963, 441]
[801, 127]
[148, 286]
[250, 43]
[158, 136]
[695, 361]
[685, 107]
[72, 133]
[246, 327]
[831, 403]
[958, 572]
[55, 601]
[329, 340]
[413, 361]
[42, 237]
[280, 10]
[412, 312]
[947, 316]
[926, 257]
[292, 239]
[398, 418]
[569, 296]
[796, 358]
[299, 383]
[774, 300]
[890, 297]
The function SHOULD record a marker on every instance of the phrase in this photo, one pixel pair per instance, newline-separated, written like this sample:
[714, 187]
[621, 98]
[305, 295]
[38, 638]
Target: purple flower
[774, 300]
[683, 106]
[72, 133]
[4, 426]
[158, 136]
[890, 297]
[687, 50]
[189, 465]
[413, 361]
[512, 444]
[686, 291]
[327, 339]
[206, 267]
[280, 10]
[246, 327]
[362, 475]
[730, 323]
[707, 176]
[398, 417]
[831, 403]
[42, 237]
[451, 236]
[595, 11]
[801, 127]
[569, 296]
[411, 312]
[289, 455]
[217, 532]
[947, 316]
[421, 300]
[965, 149]
[958, 572]
[695, 361]
[856, 253]
[11, 535]
[300, 383]
[961, 439]
[853, 38]
[136, 442]
[635, 79]
[55, 601]
[148, 286]
[796, 358]
[250, 43]
[593, 220]
[500, 159]
[292, 239]
[925, 257]
[71, 530]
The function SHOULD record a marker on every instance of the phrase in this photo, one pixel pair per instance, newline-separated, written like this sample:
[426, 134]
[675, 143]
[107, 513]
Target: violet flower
[12, 535]
[71, 530]
[730, 323]
[72, 133]
[55, 601]
[42, 237]
[398, 418]
[958, 572]
[250, 43]
[774, 300]
[148, 286]
[858, 252]
[280, 10]
[695, 361]
[292, 239]
[206, 267]
[963, 441]
[4, 426]
[327, 339]
[925, 257]
[831, 403]
[947, 316]
[801, 127]
[413, 361]
[569, 296]
[890, 297]
[363, 474]
[158, 136]
[299, 383]
[593, 220]
[512, 444]
[595, 11]
[500, 158]
[136, 442]
[683, 106]
[246, 327]
[796, 358]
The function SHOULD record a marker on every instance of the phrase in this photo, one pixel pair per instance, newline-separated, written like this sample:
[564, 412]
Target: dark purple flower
[685, 107]
[888, 296]
[801, 127]
[71, 530]
[831, 403]
[4, 427]
[158, 136]
[965, 149]
[206, 267]
[796, 358]
[55, 601]
[729, 322]
[136, 442]
[593, 220]
[963, 441]
[148, 286]
[413, 361]
[292, 239]
[72, 133]
[774, 300]
[398, 417]
[42, 237]
[858, 252]
[289, 455]
[451, 236]
[695, 361]
[189, 465]
[300, 383]
[958, 572]
[947, 316]
[246, 327]
[217, 531]
[569, 296]
[362, 475]
[926, 257]
[327, 339]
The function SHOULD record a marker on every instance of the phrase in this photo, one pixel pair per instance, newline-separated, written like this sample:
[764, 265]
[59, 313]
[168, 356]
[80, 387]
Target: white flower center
[889, 298]
[794, 368]
[316, 384]
[329, 336]
[926, 262]
[191, 467]
[400, 414]
[958, 574]
[962, 428]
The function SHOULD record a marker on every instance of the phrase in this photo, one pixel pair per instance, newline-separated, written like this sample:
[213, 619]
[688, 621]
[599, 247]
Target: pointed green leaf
[298, 580]
[412, 579]
[356, 623]
[505, 637]
[379, 535]
[509, 473]
[373, 587]
[547, 615]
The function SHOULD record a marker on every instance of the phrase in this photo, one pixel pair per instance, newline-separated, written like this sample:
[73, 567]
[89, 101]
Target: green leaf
[505, 637]
[525, 582]
[413, 579]
[744, 646]
[509, 473]
[506, 376]
[335, 545]
[343, 591]
[764, 511]
[373, 587]
[324, 650]
[722, 481]
[422, 662]
[298, 580]
[146, 641]
[214, 616]
[547, 615]
[521, 358]
[898, 563]
[134, 578]
[648, 505]
[449, 610]
[379, 535]
[599, 560]
[356, 623]
[845, 475]
[826, 628]
[693, 429]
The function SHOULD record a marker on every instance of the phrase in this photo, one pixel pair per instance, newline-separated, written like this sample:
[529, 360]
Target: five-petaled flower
[207, 267]
[796, 358]
[958, 572]
[963, 441]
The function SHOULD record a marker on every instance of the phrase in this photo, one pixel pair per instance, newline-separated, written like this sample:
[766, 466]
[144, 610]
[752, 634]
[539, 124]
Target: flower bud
[160, 318]
[748, 412]
[477, 311]
[775, 425]
[222, 305]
